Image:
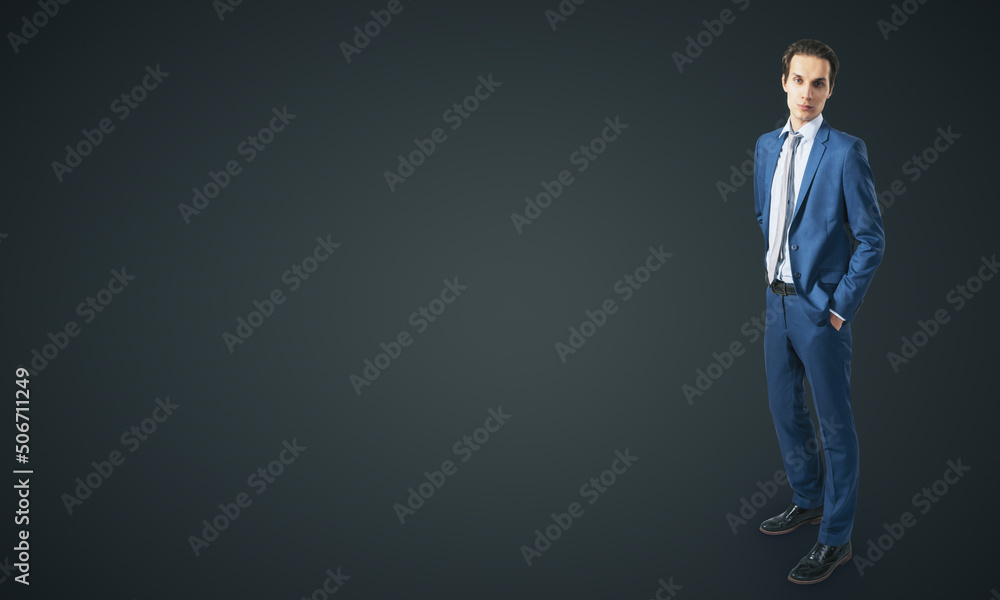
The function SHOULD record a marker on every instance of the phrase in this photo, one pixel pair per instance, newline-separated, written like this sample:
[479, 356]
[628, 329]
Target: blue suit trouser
[794, 348]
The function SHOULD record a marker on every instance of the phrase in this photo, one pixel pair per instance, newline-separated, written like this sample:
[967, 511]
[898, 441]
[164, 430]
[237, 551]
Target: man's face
[808, 87]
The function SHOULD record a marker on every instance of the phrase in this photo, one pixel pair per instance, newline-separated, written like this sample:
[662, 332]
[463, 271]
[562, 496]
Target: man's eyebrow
[794, 74]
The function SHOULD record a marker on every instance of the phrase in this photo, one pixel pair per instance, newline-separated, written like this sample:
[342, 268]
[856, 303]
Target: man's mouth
[805, 107]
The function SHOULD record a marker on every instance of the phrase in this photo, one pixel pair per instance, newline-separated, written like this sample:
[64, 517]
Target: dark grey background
[656, 185]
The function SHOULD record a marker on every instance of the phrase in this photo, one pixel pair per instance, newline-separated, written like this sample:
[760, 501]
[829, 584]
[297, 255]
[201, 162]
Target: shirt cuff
[838, 316]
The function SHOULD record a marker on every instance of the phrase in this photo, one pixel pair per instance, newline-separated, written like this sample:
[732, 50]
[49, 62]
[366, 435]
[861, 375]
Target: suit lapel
[815, 156]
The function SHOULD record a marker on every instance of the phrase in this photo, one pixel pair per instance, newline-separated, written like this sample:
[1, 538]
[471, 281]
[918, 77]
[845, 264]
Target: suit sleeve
[865, 222]
[758, 194]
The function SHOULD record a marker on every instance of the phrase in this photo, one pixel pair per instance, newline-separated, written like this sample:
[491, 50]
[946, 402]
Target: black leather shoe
[820, 563]
[790, 520]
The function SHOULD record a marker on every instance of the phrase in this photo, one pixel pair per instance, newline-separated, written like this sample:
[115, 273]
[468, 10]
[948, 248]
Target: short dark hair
[810, 48]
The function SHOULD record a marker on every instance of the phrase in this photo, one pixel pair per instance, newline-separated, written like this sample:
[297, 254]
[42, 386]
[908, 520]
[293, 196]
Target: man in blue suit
[816, 206]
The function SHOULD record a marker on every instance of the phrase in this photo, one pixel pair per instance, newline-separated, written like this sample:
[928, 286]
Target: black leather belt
[781, 288]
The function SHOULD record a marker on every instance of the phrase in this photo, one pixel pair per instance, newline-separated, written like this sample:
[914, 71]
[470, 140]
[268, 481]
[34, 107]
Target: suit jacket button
[795, 247]
[797, 275]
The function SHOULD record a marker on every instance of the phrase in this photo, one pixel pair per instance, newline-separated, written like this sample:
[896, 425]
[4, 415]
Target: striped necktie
[785, 209]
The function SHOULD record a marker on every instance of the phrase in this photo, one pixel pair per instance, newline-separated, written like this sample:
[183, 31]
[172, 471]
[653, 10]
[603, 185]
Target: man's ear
[784, 78]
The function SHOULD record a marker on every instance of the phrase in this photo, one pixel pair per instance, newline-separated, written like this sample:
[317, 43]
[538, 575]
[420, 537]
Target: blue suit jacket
[835, 238]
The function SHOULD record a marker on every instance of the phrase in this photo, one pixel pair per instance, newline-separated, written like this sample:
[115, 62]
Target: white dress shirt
[808, 131]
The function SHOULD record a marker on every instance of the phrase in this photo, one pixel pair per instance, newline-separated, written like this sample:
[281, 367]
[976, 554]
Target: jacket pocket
[829, 279]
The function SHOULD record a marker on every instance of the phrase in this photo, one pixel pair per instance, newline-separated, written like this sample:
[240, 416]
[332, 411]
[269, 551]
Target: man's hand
[836, 321]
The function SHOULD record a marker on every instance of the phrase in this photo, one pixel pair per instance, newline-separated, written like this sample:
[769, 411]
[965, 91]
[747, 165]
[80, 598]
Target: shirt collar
[808, 131]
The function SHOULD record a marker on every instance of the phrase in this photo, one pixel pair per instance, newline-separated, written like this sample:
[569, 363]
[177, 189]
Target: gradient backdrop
[920, 94]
